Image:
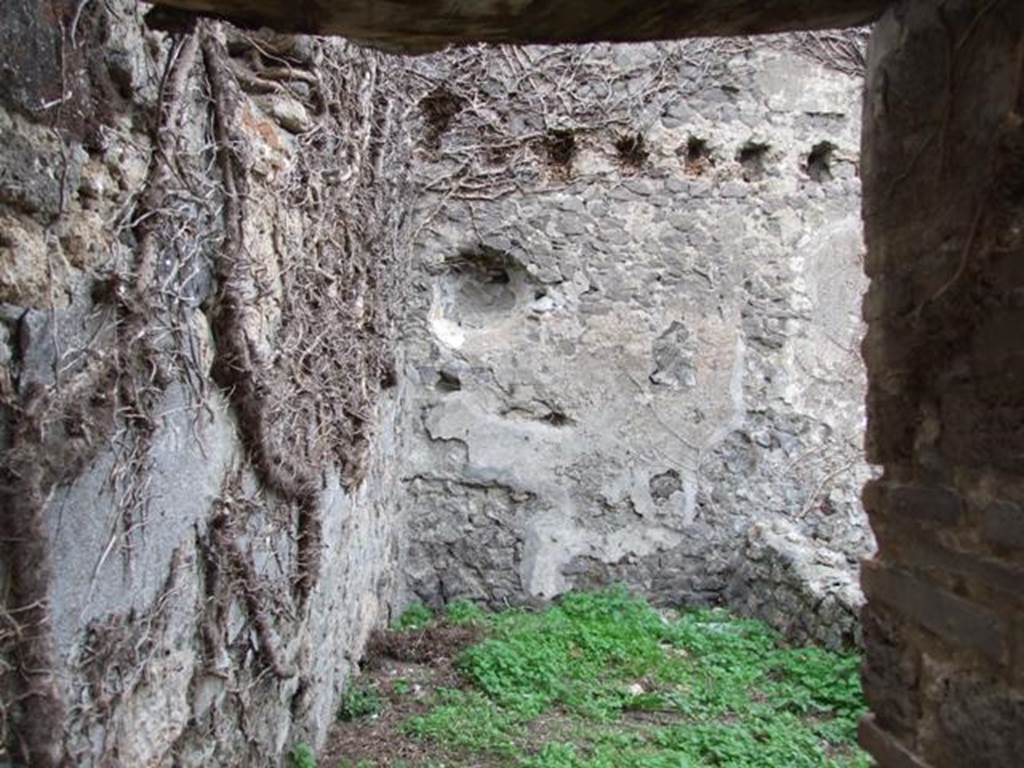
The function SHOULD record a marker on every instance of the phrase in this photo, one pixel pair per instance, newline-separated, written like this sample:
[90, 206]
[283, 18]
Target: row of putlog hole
[697, 155]
[560, 146]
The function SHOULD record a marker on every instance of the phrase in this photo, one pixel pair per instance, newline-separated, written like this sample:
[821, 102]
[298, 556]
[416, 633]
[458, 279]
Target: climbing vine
[294, 327]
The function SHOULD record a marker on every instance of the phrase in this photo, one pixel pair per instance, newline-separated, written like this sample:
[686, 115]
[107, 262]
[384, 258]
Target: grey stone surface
[37, 171]
[102, 570]
[808, 592]
[625, 391]
[173, 644]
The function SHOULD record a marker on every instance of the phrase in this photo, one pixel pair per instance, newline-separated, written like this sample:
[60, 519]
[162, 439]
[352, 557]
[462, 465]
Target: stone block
[36, 179]
[803, 589]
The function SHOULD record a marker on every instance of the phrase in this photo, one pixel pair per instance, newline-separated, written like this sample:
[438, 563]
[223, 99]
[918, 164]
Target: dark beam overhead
[423, 25]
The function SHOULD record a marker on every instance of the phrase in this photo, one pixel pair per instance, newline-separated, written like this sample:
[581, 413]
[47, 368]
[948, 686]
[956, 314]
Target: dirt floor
[597, 680]
[405, 668]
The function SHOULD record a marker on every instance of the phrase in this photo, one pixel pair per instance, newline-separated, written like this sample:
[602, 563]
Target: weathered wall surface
[633, 353]
[169, 565]
[199, 253]
[944, 622]
[630, 357]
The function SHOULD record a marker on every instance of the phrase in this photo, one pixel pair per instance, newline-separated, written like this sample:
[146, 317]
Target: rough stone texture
[943, 621]
[433, 24]
[624, 353]
[180, 603]
[943, 631]
[609, 375]
[807, 591]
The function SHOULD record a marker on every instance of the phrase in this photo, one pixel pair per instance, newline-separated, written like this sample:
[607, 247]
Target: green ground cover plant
[416, 616]
[301, 756]
[604, 680]
[359, 701]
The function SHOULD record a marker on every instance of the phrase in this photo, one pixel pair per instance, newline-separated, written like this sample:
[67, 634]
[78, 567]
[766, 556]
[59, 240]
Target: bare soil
[405, 668]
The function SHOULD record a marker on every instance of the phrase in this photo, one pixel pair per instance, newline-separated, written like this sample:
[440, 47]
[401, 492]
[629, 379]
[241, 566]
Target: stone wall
[630, 356]
[204, 576]
[943, 626]
[201, 243]
[636, 325]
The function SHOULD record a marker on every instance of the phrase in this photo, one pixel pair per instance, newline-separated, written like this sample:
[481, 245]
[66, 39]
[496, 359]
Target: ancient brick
[983, 424]
[953, 618]
[891, 672]
[925, 552]
[892, 421]
[930, 233]
[1002, 525]
[917, 503]
[1018, 651]
[999, 341]
[982, 724]
[885, 748]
